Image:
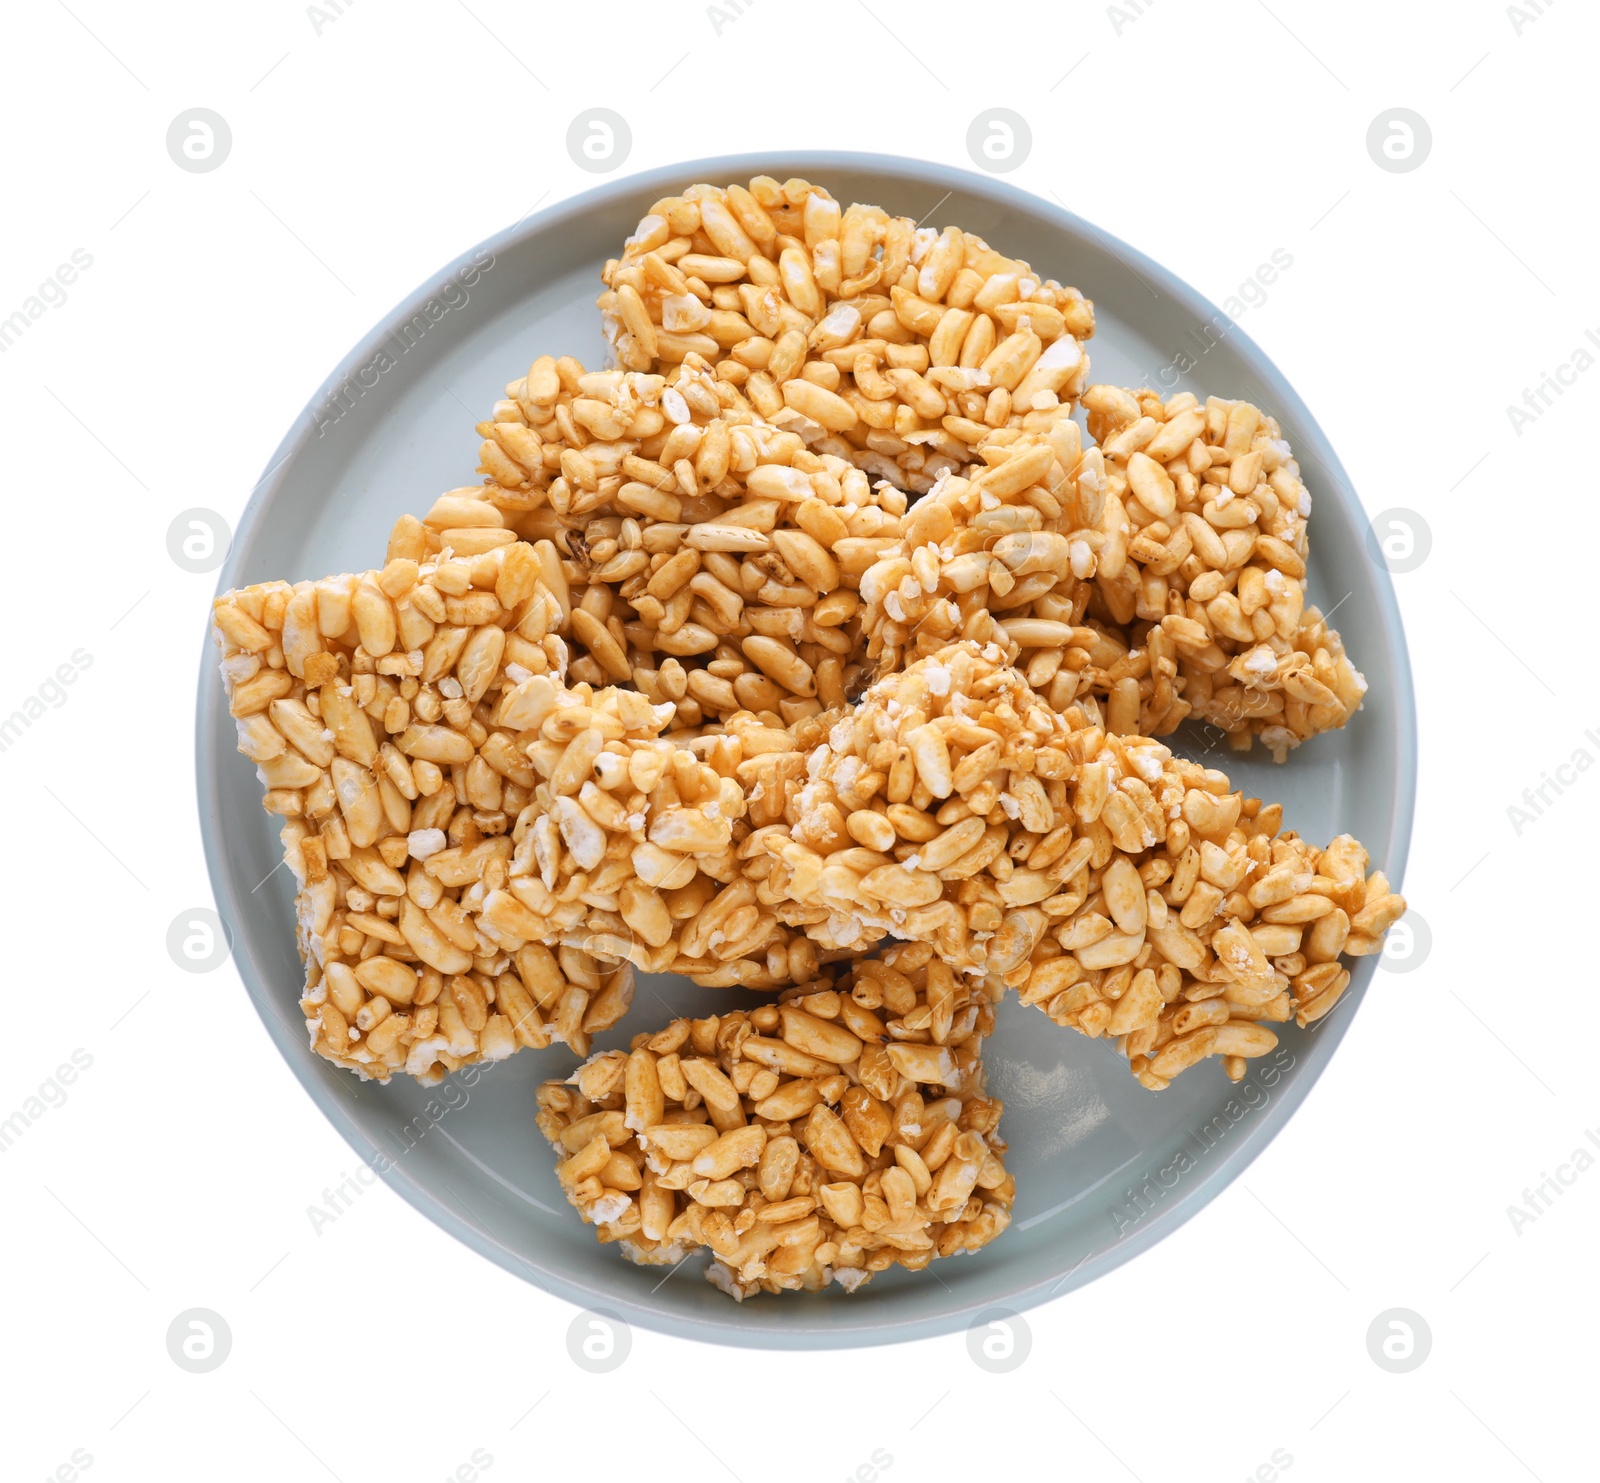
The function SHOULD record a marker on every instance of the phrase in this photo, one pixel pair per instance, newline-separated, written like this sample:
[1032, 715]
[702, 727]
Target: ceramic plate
[1103, 1168]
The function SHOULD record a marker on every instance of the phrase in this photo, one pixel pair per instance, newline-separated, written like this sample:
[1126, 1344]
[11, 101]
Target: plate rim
[787, 1328]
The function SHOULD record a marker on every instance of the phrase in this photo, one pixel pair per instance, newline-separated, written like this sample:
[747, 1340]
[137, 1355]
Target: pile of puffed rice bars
[812, 651]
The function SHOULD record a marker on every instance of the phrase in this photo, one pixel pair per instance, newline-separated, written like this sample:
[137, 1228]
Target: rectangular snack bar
[892, 345]
[711, 556]
[839, 1132]
[410, 726]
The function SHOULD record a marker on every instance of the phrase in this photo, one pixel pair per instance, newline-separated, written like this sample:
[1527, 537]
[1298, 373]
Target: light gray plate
[1103, 1168]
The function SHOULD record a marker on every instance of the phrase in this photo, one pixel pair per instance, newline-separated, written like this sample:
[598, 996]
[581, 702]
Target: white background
[373, 146]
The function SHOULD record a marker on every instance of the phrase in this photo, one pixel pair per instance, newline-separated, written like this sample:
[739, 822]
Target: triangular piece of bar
[1125, 891]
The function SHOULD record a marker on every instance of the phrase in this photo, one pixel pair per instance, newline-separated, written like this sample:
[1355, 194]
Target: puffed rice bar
[1124, 891]
[1214, 515]
[711, 557]
[1088, 563]
[406, 720]
[892, 345]
[829, 1136]
[627, 846]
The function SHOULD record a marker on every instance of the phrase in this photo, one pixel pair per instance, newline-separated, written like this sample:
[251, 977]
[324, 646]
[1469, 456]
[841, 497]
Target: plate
[1103, 1168]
